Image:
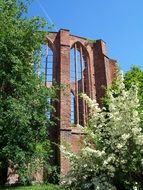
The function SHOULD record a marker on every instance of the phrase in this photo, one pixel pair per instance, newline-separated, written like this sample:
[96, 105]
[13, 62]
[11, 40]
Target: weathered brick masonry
[95, 71]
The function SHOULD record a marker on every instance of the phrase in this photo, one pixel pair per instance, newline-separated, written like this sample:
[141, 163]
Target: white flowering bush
[112, 155]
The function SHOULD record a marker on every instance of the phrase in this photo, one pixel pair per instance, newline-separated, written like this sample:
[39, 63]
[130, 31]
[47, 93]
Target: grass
[34, 187]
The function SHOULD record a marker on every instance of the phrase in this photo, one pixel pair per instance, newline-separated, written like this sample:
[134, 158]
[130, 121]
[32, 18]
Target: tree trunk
[3, 174]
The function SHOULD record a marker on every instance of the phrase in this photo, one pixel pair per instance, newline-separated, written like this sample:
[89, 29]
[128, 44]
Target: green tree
[135, 76]
[132, 77]
[112, 153]
[23, 97]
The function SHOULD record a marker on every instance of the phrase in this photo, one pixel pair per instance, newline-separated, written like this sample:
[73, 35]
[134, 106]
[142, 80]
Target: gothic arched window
[79, 80]
[46, 68]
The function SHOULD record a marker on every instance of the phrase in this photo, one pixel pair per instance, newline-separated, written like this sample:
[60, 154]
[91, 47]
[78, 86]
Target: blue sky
[118, 22]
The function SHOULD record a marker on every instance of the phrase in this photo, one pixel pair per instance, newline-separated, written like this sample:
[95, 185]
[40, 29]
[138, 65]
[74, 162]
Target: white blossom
[125, 136]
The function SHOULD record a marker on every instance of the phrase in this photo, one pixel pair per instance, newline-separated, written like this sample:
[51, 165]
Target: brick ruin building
[81, 65]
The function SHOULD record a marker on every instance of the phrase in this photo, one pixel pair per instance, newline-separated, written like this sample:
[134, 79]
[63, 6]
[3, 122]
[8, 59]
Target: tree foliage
[23, 97]
[135, 76]
[112, 153]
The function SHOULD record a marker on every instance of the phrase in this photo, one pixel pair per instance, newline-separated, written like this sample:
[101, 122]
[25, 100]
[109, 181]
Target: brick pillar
[102, 70]
[64, 78]
[65, 130]
[113, 68]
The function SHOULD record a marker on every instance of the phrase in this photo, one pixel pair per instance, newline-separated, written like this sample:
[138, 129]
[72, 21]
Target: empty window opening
[79, 80]
[46, 68]
[49, 108]
[72, 113]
